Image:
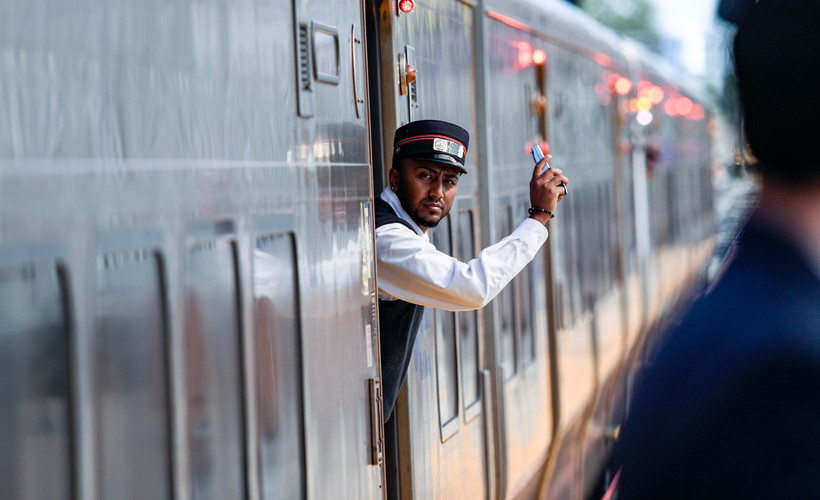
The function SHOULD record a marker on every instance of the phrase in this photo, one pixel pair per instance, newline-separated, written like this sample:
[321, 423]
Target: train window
[213, 369]
[601, 216]
[524, 289]
[446, 357]
[131, 376]
[577, 252]
[278, 367]
[611, 237]
[467, 321]
[604, 212]
[35, 431]
[572, 253]
[589, 246]
[559, 242]
[506, 308]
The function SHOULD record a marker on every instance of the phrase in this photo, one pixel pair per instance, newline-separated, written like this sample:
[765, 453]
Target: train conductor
[428, 159]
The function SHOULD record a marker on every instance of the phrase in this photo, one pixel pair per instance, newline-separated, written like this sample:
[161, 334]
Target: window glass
[467, 321]
[278, 367]
[572, 240]
[506, 307]
[586, 249]
[446, 361]
[213, 371]
[524, 284]
[35, 444]
[131, 377]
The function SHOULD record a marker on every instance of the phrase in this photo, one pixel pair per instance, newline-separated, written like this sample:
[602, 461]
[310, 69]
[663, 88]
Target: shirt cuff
[532, 231]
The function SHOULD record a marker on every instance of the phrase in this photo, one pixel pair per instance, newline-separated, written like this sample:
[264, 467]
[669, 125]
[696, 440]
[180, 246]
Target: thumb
[539, 167]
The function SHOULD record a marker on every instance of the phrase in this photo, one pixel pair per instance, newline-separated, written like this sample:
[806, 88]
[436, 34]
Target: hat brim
[442, 158]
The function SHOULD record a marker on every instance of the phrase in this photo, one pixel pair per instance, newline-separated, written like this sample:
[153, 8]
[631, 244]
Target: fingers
[559, 180]
[548, 188]
[539, 167]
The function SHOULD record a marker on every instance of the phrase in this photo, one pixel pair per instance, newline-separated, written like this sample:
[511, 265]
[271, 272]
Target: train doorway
[442, 409]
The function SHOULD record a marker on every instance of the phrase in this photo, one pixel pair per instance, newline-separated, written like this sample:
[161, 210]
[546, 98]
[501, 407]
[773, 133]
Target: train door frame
[394, 102]
[382, 74]
[383, 114]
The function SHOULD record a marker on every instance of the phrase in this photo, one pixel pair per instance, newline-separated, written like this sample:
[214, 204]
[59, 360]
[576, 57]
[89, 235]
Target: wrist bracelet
[536, 209]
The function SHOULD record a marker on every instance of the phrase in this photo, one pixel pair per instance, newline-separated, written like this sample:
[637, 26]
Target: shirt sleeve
[412, 269]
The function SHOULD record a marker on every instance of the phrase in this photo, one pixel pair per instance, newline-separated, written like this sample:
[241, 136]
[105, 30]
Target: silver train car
[187, 282]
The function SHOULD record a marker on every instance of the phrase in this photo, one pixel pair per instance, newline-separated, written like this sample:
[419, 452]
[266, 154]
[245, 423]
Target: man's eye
[450, 182]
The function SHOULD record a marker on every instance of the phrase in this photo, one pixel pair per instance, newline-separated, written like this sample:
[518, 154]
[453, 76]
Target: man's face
[426, 190]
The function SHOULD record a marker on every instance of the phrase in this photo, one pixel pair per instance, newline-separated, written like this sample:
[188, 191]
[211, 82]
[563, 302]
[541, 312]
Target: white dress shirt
[411, 269]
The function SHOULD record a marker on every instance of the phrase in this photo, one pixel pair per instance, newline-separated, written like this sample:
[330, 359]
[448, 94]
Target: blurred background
[695, 36]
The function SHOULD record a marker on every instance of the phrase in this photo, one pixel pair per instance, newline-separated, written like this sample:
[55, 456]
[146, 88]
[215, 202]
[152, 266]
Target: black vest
[399, 323]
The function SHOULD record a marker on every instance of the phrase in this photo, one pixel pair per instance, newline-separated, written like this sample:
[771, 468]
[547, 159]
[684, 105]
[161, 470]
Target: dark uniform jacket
[731, 406]
[399, 323]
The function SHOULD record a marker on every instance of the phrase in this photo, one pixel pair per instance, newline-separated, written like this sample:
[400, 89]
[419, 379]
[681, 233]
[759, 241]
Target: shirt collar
[390, 197]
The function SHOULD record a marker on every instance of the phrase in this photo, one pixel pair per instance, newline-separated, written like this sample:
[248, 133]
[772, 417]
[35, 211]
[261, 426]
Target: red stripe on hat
[428, 138]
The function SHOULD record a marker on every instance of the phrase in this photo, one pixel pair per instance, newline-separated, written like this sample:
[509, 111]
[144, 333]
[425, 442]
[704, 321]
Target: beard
[415, 213]
[425, 222]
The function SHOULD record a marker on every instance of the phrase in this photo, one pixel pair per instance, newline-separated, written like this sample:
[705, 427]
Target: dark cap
[432, 140]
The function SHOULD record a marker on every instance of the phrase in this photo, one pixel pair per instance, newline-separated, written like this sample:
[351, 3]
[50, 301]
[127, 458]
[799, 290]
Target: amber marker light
[411, 73]
[539, 56]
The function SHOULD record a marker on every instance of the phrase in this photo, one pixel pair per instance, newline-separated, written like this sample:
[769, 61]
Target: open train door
[437, 438]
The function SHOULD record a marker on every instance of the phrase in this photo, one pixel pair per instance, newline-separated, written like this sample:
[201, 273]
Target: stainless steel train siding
[187, 281]
[186, 274]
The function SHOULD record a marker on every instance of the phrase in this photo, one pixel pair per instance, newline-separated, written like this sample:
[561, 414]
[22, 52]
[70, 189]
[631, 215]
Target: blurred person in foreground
[730, 407]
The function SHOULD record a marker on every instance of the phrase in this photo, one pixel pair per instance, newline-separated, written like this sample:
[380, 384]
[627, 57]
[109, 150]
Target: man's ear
[393, 179]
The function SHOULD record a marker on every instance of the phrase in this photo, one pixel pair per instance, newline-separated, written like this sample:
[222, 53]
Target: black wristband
[536, 209]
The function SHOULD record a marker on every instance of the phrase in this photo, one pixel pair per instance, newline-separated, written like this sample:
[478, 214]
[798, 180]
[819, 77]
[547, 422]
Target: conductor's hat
[432, 140]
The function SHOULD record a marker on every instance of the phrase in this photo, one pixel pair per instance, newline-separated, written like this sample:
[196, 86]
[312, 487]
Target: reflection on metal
[365, 235]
